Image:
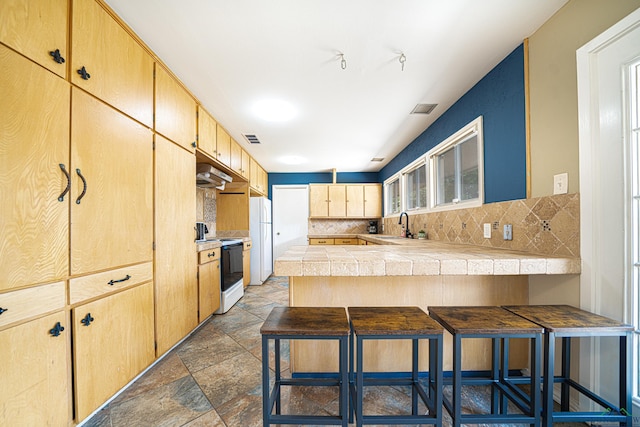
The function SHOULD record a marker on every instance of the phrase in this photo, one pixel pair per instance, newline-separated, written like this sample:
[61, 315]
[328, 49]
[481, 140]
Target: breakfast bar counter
[406, 272]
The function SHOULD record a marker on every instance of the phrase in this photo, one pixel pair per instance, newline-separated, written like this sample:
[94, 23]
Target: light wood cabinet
[35, 371]
[112, 188]
[175, 115]
[345, 241]
[107, 62]
[372, 200]
[223, 142]
[246, 164]
[345, 200]
[112, 343]
[233, 207]
[37, 29]
[362, 242]
[236, 157]
[246, 263]
[314, 241]
[176, 262]
[207, 133]
[34, 143]
[258, 178]
[208, 283]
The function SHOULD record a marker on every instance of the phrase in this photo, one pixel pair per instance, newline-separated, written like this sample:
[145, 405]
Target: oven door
[231, 265]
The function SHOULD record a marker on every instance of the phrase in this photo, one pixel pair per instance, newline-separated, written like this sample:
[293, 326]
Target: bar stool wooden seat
[500, 325]
[566, 322]
[382, 323]
[315, 323]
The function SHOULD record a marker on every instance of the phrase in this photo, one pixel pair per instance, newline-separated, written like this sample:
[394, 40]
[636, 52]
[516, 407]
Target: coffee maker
[373, 227]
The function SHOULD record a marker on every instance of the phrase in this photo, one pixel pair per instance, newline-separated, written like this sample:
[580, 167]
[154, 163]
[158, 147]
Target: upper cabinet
[258, 178]
[112, 187]
[345, 200]
[207, 133]
[246, 165]
[109, 63]
[224, 146]
[175, 111]
[236, 157]
[34, 160]
[38, 30]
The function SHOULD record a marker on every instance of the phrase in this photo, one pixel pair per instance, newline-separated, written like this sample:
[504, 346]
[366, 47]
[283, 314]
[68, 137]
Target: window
[456, 167]
[392, 196]
[415, 184]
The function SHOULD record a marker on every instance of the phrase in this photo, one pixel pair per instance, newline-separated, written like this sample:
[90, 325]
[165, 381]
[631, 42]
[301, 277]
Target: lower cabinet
[246, 263]
[313, 241]
[35, 373]
[113, 341]
[348, 241]
[208, 283]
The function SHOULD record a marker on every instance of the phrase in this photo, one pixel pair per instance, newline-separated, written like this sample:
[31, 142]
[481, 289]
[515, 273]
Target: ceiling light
[274, 110]
[293, 160]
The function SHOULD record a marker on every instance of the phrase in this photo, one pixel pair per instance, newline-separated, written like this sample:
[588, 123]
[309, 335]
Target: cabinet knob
[87, 320]
[57, 56]
[84, 74]
[2, 310]
[56, 330]
[193, 144]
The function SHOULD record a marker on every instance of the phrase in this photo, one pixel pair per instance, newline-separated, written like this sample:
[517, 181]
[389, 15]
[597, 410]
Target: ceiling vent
[423, 108]
[377, 159]
[251, 138]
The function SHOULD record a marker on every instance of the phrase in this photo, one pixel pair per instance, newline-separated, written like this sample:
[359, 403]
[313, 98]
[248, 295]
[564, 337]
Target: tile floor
[213, 378]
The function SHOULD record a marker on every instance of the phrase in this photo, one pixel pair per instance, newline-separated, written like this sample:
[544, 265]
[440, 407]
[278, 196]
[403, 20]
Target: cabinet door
[34, 372]
[254, 174]
[207, 133]
[176, 254]
[224, 146]
[246, 267]
[111, 222]
[245, 164]
[35, 28]
[337, 201]
[318, 201]
[34, 142]
[373, 201]
[209, 288]
[112, 343]
[120, 71]
[236, 156]
[175, 111]
[355, 201]
[264, 182]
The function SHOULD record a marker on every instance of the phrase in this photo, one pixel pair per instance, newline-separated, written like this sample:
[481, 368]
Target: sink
[387, 236]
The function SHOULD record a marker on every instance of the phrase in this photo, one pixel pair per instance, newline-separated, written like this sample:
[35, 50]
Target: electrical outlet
[487, 230]
[508, 232]
[561, 183]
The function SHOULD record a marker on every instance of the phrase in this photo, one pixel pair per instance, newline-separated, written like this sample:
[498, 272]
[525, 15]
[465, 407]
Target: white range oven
[231, 274]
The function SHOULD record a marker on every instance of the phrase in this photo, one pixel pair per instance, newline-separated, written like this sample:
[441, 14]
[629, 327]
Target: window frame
[385, 187]
[416, 164]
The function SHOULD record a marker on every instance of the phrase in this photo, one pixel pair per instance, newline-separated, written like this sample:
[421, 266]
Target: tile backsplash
[338, 226]
[206, 208]
[545, 225]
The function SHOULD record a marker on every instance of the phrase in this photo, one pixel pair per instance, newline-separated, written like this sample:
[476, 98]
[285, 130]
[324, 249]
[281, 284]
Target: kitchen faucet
[407, 233]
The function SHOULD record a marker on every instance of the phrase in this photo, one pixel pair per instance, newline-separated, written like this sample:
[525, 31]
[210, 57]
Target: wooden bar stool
[382, 323]
[566, 322]
[313, 323]
[500, 325]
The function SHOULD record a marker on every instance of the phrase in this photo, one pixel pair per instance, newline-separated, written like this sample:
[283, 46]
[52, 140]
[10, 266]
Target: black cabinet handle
[57, 56]
[193, 144]
[56, 330]
[66, 190]
[2, 310]
[84, 186]
[83, 73]
[210, 254]
[111, 282]
[87, 320]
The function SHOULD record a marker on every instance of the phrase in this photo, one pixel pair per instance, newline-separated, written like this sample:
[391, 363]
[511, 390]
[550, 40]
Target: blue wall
[321, 178]
[499, 98]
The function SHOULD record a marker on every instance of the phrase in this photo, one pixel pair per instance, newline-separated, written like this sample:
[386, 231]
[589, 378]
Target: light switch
[561, 183]
[487, 230]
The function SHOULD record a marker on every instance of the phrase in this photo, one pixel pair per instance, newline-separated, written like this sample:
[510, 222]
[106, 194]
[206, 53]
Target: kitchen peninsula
[403, 272]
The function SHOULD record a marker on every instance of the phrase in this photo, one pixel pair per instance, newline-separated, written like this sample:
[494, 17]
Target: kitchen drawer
[208, 256]
[247, 245]
[31, 302]
[313, 241]
[95, 285]
[362, 242]
[345, 241]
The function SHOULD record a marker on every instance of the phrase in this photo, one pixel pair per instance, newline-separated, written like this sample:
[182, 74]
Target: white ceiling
[233, 53]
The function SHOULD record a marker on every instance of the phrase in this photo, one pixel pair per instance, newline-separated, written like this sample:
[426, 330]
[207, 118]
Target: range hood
[209, 177]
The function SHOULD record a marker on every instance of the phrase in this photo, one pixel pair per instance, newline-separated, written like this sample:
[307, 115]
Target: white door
[608, 285]
[290, 217]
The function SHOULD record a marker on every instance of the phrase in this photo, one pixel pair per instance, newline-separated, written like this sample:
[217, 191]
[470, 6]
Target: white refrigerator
[261, 245]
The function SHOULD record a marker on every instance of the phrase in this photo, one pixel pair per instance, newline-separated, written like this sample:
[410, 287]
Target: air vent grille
[423, 108]
[252, 139]
[377, 159]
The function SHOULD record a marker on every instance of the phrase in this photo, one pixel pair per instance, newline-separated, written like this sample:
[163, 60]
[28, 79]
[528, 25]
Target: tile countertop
[394, 256]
